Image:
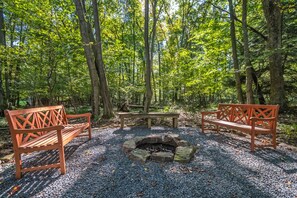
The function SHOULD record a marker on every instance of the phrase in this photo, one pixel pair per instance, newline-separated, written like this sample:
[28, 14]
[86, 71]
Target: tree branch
[235, 17]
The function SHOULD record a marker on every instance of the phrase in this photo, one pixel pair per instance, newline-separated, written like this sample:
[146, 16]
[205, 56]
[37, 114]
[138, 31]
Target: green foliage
[3, 123]
[289, 131]
[192, 63]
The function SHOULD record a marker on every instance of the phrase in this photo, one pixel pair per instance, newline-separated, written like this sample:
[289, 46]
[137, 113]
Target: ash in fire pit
[158, 147]
[162, 148]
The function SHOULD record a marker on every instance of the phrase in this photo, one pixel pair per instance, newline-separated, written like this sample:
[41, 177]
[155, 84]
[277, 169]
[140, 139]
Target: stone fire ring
[184, 151]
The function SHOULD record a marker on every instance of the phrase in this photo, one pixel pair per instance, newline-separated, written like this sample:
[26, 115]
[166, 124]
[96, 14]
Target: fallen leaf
[154, 183]
[102, 158]
[185, 169]
[174, 170]
[140, 194]
[14, 190]
[197, 169]
[88, 152]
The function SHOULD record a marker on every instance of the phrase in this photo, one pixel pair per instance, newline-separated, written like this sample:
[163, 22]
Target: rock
[184, 154]
[170, 140]
[153, 139]
[139, 155]
[129, 145]
[184, 150]
[162, 156]
[6, 158]
[183, 143]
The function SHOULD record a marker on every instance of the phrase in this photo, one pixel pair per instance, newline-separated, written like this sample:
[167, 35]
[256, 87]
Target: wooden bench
[149, 116]
[44, 128]
[249, 118]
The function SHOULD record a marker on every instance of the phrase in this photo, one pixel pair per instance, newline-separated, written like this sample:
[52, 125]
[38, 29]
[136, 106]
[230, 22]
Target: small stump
[160, 148]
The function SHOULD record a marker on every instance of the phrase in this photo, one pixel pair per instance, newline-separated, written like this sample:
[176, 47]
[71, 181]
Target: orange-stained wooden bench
[44, 128]
[253, 119]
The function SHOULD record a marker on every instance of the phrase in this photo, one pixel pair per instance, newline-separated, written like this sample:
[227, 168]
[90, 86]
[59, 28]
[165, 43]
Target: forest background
[189, 53]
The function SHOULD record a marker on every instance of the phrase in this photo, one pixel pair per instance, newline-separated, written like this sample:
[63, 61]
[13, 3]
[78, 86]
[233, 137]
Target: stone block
[139, 155]
[162, 156]
[184, 154]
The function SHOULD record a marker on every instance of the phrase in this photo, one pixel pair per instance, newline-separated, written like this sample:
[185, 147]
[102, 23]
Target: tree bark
[234, 54]
[272, 12]
[105, 95]
[3, 44]
[248, 65]
[148, 69]
[89, 57]
[258, 87]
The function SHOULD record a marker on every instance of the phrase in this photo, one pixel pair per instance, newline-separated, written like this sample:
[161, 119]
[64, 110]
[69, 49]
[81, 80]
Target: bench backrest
[241, 113]
[33, 118]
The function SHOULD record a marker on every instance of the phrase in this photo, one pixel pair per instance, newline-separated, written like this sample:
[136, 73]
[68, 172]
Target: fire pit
[161, 148]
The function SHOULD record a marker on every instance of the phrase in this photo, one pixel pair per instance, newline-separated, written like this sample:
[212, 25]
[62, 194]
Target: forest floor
[286, 131]
[223, 166]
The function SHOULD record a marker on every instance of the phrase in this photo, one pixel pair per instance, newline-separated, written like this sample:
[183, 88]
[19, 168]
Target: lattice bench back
[241, 113]
[34, 118]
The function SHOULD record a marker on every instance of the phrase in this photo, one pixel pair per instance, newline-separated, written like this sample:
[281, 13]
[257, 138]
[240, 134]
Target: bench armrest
[78, 115]
[270, 122]
[51, 128]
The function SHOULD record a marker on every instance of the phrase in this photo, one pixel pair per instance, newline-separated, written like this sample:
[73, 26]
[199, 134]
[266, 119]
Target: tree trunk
[272, 12]
[148, 69]
[258, 87]
[234, 54]
[105, 95]
[160, 82]
[89, 57]
[248, 65]
[2, 43]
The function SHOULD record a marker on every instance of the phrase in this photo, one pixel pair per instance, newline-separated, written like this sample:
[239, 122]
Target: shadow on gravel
[33, 182]
[279, 159]
[212, 173]
[276, 157]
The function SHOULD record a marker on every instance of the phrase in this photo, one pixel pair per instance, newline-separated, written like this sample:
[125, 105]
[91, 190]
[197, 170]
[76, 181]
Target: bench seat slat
[40, 129]
[243, 127]
[51, 137]
[242, 117]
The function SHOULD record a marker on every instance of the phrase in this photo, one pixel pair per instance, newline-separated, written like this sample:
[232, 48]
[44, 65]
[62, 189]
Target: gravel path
[223, 167]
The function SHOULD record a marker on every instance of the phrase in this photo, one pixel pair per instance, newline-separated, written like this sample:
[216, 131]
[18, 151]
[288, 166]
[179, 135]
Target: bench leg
[174, 122]
[90, 132]
[18, 165]
[149, 123]
[62, 160]
[122, 123]
[252, 142]
[218, 128]
[202, 125]
[274, 140]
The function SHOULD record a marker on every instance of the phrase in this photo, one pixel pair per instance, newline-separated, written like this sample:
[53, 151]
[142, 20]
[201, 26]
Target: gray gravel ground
[223, 167]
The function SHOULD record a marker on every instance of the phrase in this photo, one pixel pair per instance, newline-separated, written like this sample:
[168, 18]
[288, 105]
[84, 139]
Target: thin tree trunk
[105, 95]
[160, 82]
[272, 12]
[148, 69]
[258, 87]
[134, 56]
[2, 43]
[249, 77]
[89, 57]
[234, 54]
